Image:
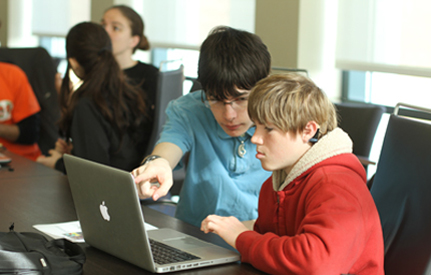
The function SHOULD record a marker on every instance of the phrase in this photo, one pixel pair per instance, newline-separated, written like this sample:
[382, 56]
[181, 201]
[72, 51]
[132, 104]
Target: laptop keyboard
[165, 254]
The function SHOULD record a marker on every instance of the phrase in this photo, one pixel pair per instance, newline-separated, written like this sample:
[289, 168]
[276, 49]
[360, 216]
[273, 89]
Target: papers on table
[69, 230]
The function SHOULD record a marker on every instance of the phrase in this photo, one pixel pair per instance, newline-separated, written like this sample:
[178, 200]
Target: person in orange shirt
[19, 113]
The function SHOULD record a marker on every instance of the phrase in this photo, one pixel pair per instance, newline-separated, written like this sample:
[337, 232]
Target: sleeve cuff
[243, 243]
[59, 165]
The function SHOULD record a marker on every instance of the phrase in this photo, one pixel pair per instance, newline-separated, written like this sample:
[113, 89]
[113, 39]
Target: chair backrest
[196, 85]
[169, 87]
[402, 193]
[360, 121]
[40, 70]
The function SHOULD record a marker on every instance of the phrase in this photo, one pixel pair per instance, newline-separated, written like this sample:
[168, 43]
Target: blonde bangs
[289, 102]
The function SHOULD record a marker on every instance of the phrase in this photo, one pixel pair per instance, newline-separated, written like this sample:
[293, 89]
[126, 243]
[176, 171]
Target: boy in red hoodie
[316, 215]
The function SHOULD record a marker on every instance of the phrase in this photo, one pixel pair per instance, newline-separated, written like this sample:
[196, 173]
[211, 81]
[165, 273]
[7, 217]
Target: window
[177, 28]
[189, 58]
[384, 55]
[184, 24]
[384, 36]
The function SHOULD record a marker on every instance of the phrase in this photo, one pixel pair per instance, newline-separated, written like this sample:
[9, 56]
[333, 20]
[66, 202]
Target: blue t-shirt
[218, 181]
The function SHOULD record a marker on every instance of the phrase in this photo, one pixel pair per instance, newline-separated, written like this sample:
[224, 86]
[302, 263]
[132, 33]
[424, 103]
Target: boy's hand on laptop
[153, 179]
[229, 228]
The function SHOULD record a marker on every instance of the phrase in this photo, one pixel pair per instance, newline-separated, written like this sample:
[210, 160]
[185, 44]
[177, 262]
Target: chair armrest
[365, 160]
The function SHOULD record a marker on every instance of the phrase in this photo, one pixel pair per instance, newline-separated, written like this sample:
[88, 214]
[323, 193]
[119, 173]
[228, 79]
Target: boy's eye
[269, 129]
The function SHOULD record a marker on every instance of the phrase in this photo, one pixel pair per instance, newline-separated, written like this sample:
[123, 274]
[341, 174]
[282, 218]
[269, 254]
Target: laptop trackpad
[176, 239]
[185, 243]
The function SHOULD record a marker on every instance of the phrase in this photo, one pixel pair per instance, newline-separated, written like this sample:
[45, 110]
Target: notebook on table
[108, 208]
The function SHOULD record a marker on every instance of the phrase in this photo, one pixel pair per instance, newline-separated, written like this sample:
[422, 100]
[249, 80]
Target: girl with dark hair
[125, 27]
[105, 116]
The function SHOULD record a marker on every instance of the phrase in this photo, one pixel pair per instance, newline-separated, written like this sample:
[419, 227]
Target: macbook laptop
[109, 210]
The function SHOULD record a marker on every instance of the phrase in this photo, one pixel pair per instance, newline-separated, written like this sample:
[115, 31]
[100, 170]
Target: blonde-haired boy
[316, 215]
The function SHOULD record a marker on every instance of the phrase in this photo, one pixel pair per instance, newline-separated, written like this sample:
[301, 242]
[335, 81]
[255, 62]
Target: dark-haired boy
[223, 176]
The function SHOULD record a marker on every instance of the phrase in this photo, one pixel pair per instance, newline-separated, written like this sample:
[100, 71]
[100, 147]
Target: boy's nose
[229, 112]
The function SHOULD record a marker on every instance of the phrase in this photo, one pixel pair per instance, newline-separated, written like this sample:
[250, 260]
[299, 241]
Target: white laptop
[109, 210]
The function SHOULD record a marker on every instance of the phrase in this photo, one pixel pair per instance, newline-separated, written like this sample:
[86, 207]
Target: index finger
[141, 174]
[161, 191]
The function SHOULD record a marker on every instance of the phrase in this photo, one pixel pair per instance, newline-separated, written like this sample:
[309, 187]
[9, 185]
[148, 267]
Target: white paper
[70, 230]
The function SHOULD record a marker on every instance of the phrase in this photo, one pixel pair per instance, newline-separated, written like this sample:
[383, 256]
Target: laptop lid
[108, 208]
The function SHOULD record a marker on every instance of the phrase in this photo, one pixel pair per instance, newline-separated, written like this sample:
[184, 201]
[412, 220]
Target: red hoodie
[319, 219]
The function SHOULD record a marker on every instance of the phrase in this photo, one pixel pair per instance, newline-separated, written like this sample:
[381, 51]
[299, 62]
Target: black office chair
[196, 85]
[40, 70]
[360, 121]
[170, 87]
[402, 192]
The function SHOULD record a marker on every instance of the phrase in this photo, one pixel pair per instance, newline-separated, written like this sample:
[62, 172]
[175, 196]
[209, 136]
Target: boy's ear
[309, 131]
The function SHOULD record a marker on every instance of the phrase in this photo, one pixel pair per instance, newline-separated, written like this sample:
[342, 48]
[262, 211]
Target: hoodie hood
[334, 143]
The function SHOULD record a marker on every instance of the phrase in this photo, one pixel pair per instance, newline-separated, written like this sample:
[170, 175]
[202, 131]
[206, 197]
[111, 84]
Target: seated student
[316, 215]
[125, 27]
[19, 113]
[104, 116]
[222, 174]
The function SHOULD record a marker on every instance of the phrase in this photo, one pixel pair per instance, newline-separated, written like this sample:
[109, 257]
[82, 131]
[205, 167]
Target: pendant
[241, 150]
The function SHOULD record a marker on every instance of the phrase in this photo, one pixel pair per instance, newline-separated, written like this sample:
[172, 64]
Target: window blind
[186, 23]
[55, 18]
[384, 36]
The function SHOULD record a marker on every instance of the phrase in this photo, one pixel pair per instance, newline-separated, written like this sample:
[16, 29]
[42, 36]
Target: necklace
[241, 148]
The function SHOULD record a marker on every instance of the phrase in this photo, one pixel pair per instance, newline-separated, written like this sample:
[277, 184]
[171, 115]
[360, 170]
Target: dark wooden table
[21, 167]
[31, 193]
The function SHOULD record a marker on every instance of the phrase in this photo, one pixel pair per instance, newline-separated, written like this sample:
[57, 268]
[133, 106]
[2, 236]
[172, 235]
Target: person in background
[19, 113]
[104, 117]
[222, 175]
[125, 27]
[126, 30]
[316, 214]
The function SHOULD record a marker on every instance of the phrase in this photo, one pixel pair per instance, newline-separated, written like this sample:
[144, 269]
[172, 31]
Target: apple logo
[104, 211]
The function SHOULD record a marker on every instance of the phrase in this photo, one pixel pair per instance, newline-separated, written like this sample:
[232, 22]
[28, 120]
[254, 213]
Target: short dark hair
[229, 59]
